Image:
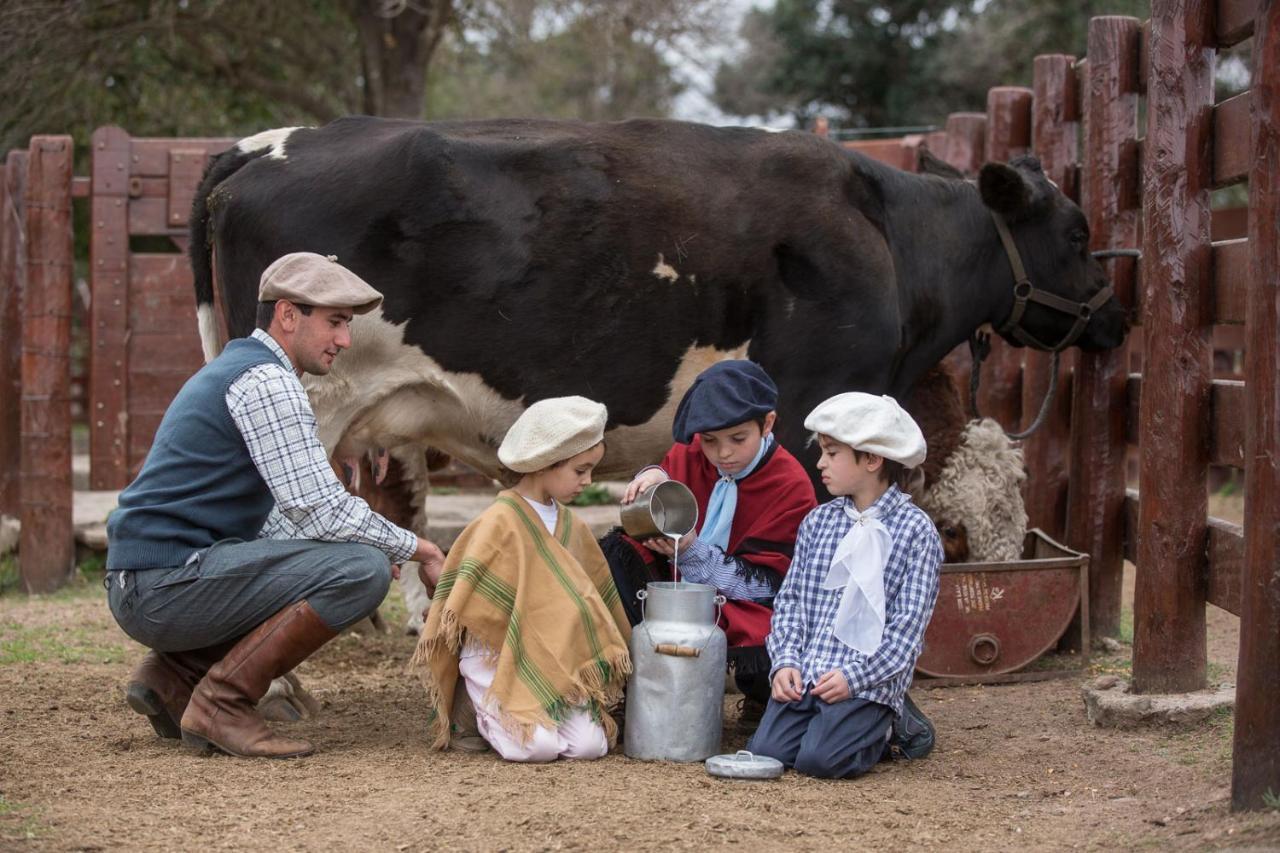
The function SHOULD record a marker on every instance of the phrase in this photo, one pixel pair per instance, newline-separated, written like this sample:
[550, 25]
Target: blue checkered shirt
[802, 631]
[272, 412]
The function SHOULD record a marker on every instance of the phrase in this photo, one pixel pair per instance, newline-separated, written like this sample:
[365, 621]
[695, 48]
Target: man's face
[731, 449]
[319, 337]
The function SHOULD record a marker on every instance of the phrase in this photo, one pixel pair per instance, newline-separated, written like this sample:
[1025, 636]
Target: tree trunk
[397, 41]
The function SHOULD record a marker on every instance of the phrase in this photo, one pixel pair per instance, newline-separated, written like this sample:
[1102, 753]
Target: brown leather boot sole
[148, 703]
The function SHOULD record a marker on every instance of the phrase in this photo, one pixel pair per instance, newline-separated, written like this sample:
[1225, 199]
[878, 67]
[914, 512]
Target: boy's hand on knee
[832, 687]
[643, 480]
[787, 686]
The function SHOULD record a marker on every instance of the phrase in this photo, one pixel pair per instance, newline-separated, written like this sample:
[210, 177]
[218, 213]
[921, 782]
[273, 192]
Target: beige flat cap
[311, 279]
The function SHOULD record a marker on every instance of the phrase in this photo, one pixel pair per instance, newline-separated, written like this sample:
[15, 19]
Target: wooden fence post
[1111, 196]
[1256, 755]
[966, 142]
[47, 551]
[1177, 306]
[1008, 135]
[12, 263]
[109, 310]
[1055, 125]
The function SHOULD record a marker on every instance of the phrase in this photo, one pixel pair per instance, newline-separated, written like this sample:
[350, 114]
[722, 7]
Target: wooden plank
[186, 165]
[149, 216]
[1097, 453]
[1226, 555]
[966, 142]
[1055, 130]
[1230, 280]
[48, 543]
[1226, 419]
[12, 272]
[1234, 21]
[1231, 140]
[1256, 754]
[1169, 623]
[108, 309]
[1008, 136]
[150, 157]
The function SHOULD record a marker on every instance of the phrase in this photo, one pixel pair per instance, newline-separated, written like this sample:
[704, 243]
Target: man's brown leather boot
[221, 713]
[161, 684]
[159, 693]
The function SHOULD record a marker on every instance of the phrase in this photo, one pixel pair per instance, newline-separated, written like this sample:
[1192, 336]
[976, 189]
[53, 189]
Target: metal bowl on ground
[744, 765]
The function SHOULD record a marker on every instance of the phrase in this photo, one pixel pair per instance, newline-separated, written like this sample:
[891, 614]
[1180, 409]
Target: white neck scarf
[858, 567]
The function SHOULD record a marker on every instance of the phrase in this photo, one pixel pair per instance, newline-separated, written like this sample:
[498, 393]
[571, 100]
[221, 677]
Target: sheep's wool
[980, 486]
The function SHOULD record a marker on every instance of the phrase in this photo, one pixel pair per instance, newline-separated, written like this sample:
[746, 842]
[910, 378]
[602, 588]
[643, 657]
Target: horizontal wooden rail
[1224, 585]
[1231, 140]
[1227, 421]
[1235, 21]
[1230, 280]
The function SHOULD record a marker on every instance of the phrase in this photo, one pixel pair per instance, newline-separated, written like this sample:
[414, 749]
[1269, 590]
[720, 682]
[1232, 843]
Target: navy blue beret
[726, 394]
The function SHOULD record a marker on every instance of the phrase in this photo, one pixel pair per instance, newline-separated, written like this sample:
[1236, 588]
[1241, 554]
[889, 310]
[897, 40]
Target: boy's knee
[825, 764]
[587, 744]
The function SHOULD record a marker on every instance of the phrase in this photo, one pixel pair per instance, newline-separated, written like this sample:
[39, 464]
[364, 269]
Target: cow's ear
[1008, 191]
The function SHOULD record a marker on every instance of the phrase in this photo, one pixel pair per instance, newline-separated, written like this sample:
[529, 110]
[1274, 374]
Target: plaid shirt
[272, 412]
[801, 634]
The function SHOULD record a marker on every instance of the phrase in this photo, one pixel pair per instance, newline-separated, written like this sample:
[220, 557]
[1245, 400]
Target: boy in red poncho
[752, 495]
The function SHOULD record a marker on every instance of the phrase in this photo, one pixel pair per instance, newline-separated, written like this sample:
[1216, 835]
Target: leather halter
[1024, 291]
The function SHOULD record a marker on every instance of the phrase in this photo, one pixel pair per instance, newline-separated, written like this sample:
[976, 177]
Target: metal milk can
[675, 695]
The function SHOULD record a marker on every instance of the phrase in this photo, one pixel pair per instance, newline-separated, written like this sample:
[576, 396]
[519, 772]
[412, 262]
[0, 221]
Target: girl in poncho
[526, 611]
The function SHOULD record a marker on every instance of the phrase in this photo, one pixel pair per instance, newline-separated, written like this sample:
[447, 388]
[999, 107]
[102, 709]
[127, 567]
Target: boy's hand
[643, 480]
[664, 546]
[832, 687]
[787, 686]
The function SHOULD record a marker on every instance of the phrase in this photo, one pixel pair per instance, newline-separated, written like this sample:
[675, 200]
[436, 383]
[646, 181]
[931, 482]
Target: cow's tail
[201, 249]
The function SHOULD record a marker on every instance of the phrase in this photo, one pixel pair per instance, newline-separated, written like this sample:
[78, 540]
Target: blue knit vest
[198, 484]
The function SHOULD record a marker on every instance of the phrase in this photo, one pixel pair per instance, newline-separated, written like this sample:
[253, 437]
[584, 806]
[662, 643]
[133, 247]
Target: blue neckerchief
[724, 501]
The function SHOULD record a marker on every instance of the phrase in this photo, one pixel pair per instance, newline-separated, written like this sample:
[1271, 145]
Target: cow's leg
[416, 598]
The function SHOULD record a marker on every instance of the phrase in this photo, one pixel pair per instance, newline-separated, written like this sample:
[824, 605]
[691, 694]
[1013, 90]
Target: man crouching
[236, 553]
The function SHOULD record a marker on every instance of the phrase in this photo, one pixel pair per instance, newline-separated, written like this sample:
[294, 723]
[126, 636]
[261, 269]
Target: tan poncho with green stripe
[546, 603]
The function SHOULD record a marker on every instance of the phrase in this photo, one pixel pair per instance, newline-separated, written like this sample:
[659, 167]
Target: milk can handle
[687, 651]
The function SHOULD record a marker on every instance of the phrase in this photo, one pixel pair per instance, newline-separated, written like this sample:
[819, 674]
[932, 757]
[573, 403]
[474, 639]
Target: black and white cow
[524, 259]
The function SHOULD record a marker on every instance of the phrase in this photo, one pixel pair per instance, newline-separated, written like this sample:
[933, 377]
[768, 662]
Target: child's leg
[582, 737]
[783, 728]
[543, 744]
[846, 739]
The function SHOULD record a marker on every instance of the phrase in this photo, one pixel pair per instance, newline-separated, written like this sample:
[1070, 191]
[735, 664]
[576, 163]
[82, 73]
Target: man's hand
[832, 687]
[643, 480]
[664, 546]
[430, 560]
[787, 686]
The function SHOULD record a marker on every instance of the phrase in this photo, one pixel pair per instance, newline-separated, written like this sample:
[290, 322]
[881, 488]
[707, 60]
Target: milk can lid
[744, 765]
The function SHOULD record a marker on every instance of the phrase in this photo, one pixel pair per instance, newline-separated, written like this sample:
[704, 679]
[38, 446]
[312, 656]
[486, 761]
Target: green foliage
[1271, 799]
[9, 577]
[898, 62]
[594, 495]
[54, 643]
[1126, 625]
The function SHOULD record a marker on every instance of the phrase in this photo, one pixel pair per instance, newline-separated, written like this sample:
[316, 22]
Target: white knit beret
[870, 423]
[552, 430]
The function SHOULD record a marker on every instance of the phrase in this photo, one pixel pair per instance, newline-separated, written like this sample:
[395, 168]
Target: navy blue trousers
[841, 740]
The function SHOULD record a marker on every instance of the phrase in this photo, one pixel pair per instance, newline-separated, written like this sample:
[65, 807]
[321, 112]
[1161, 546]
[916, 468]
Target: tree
[898, 62]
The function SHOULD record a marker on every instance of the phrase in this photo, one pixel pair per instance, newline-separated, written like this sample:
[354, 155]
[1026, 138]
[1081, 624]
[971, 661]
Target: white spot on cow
[209, 338]
[664, 270]
[273, 139]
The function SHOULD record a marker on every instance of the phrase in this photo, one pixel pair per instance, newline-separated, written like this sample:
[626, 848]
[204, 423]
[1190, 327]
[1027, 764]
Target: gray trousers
[841, 740]
[233, 587]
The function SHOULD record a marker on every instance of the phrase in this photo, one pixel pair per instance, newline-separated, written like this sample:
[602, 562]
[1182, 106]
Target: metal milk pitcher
[675, 695]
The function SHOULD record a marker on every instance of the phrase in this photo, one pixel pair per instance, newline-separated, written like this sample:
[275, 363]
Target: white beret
[310, 279]
[870, 423]
[551, 431]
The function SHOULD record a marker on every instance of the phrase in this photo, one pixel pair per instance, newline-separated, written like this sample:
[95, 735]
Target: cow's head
[1052, 237]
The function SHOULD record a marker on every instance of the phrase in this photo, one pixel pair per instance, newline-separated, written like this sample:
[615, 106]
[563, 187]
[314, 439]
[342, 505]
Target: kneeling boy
[850, 617]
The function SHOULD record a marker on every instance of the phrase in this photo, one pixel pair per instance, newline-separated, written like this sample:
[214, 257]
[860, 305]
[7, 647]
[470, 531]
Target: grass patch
[54, 644]
[444, 490]
[18, 822]
[594, 495]
[1126, 626]
[1271, 799]
[9, 578]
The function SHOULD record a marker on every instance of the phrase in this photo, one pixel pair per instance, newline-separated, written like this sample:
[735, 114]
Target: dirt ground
[1017, 766]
